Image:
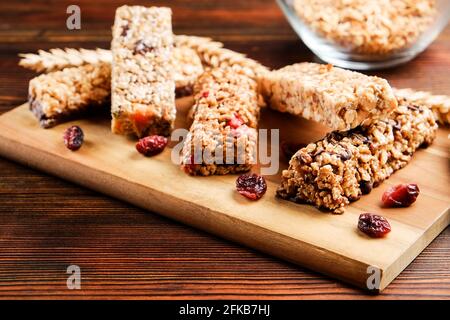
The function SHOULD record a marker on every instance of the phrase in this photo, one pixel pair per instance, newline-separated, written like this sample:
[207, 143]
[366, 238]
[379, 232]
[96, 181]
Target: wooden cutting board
[327, 243]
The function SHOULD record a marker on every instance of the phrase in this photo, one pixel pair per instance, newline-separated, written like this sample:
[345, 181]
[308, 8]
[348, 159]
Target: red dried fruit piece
[251, 186]
[235, 121]
[401, 195]
[189, 166]
[73, 138]
[205, 94]
[373, 225]
[152, 145]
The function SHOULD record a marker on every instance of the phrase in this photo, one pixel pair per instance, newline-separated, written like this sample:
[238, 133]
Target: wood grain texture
[330, 244]
[47, 224]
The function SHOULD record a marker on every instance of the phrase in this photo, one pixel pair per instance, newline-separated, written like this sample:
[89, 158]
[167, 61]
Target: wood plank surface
[47, 223]
[330, 244]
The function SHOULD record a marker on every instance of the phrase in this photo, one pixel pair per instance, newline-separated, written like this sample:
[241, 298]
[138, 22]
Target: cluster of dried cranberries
[401, 195]
[253, 186]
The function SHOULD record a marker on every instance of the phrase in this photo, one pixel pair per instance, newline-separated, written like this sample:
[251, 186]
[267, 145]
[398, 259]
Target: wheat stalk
[210, 52]
[213, 54]
[58, 59]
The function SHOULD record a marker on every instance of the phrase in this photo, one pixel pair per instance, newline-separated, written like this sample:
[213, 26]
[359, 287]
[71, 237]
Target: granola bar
[338, 169]
[142, 84]
[338, 98]
[186, 63]
[439, 104]
[62, 95]
[373, 27]
[222, 137]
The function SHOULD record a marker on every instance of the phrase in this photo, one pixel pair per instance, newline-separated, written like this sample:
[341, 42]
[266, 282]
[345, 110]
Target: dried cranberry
[189, 166]
[73, 138]
[373, 225]
[365, 186]
[251, 186]
[205, 94]
[152, 145]
[235, 121]
[401, 195]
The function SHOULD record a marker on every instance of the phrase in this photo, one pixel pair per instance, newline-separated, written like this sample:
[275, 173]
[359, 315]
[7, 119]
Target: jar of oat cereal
[367, 34]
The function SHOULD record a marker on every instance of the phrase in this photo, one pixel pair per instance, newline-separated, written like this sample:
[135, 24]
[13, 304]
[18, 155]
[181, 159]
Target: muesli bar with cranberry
[223, 135]
[142, 84]
[338, 98]
[62, 95]
[338, 169]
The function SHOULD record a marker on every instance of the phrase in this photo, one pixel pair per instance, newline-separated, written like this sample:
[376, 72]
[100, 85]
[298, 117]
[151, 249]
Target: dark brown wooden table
[47, 224]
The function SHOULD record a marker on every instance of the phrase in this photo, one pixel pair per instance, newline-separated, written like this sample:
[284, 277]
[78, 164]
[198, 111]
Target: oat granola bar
[62, 95]
[222, 137]
[185, 62]
[142, 83]
[439, 104]
[338, 169]
[338, 98]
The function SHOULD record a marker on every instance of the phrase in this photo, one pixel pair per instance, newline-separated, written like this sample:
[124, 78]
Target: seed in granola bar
[251, 186]
[397, 126]
[142, 48]
[73, 138]
[235, 121]
[152, 145]
[401, 195]
[373, 225]
[125, 29]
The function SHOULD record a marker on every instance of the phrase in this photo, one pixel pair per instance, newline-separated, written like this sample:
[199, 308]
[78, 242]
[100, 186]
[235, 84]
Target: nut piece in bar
[335, 97]
[338, 169]
[223, 135]
[142, 84]
[62, 95]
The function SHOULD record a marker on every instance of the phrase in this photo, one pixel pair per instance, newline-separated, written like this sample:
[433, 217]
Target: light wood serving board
[330, 244]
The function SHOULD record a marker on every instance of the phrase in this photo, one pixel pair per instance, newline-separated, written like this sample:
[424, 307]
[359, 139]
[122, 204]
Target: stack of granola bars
[376, 128]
